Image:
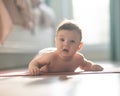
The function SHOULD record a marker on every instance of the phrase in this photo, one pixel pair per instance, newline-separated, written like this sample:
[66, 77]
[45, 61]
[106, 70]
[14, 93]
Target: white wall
[22, 45]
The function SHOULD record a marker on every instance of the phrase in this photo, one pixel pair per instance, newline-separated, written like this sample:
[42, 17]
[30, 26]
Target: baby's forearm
[97, 68]
[33, 63]
[88, 67]
[92, 67]
[33, 68]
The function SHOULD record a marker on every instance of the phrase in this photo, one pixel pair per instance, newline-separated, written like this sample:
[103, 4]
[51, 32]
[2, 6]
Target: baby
[65, 57]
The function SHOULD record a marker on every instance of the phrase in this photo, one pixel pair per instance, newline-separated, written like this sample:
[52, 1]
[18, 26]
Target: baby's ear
[80, 46]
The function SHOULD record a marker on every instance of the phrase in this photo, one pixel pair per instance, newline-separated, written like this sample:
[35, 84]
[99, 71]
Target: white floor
[73, 85]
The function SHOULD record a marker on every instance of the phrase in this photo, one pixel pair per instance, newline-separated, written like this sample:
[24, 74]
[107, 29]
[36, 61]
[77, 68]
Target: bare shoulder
[46, 54]
[79, 55]
[43, 57]
[47, 50]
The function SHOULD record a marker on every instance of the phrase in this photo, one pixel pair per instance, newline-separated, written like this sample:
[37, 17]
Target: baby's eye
[62, 39]
[72, 41]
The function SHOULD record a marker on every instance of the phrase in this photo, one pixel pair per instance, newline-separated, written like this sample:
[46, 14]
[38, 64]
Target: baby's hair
[69, 25]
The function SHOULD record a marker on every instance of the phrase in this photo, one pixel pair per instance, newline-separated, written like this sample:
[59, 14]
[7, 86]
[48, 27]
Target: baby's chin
[64, 55]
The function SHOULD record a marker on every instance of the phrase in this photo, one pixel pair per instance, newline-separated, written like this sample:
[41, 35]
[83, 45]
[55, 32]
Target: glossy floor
[72, 85]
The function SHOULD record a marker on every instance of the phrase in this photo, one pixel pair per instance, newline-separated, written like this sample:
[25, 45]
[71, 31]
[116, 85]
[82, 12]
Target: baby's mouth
[65, 50]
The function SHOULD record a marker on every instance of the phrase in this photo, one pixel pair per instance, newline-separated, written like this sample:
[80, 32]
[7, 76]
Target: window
[93, 16]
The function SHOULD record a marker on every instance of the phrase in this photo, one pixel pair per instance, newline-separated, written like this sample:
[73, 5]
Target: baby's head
[69, 25]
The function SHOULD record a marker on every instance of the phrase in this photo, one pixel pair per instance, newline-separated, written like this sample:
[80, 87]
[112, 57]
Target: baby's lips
[66, 50]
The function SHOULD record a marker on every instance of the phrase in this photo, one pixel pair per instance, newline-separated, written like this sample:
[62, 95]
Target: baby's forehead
[68, 34]
[68, 31]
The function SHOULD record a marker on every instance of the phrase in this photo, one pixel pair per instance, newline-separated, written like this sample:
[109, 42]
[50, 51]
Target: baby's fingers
[97, 68]
[34, 71]
[43, 69]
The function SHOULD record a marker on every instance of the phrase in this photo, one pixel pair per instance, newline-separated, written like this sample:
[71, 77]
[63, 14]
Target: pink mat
[14, 73]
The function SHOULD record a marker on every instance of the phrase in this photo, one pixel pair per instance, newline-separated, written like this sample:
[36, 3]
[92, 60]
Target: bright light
[93, 16]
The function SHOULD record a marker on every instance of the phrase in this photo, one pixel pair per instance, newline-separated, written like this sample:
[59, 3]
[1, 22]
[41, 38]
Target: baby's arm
[89, 66]
[38, 64]
[34, 66]
[96, 68]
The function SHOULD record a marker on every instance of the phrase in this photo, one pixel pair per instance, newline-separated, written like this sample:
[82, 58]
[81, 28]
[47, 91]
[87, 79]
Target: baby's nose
[66, 43]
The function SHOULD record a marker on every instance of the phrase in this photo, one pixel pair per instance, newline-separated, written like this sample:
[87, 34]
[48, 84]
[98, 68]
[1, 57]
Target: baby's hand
[96, 68]
[44, 69]
[34, 70]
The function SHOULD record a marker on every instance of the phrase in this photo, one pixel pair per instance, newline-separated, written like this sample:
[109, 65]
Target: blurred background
[27, 26]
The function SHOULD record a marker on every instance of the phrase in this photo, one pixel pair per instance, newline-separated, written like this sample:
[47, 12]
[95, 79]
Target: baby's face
[67, 42]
